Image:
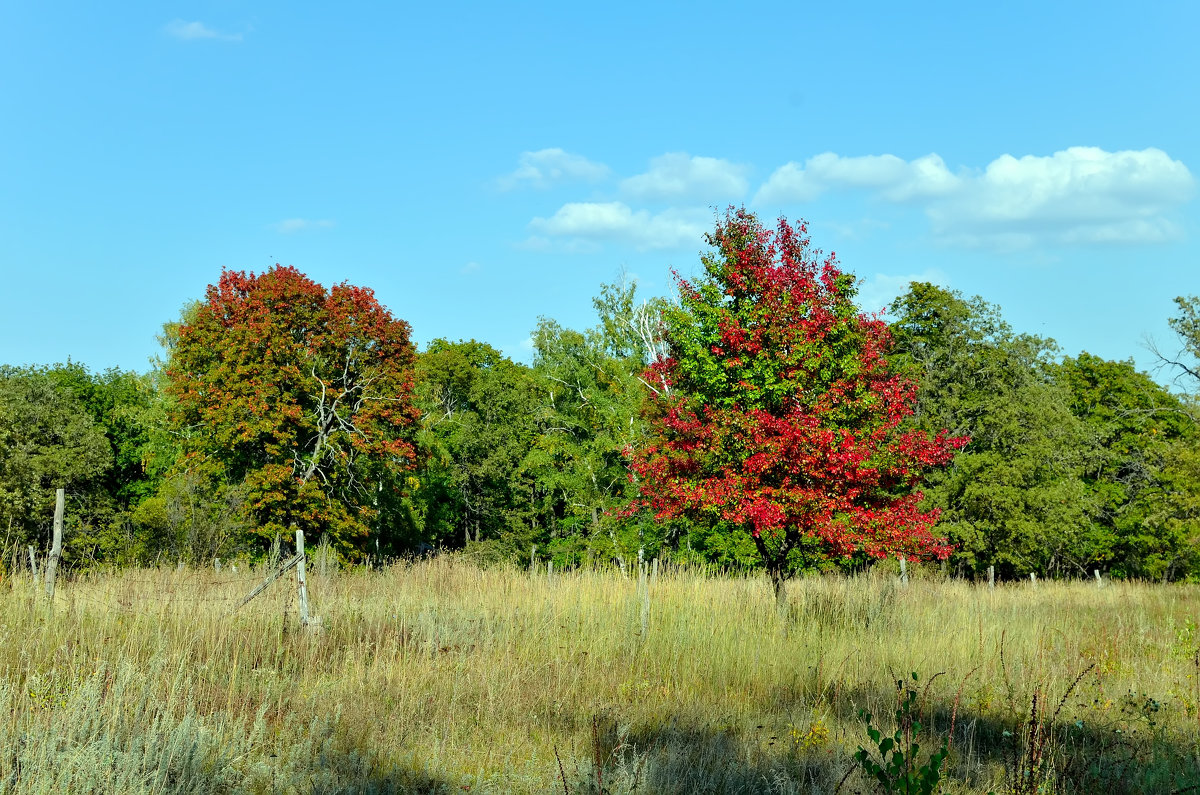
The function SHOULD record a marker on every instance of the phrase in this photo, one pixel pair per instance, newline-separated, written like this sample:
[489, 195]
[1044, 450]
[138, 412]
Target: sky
[483, 165]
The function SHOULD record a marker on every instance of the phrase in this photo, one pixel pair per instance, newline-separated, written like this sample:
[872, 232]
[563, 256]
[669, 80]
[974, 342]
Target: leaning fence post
[56, 548]
[300, 584]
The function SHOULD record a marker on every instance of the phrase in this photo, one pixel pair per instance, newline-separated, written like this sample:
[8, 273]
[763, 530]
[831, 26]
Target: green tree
[1184, 361]
[478, 425]
[1138, 429]
[1171, 548]
[1015, 497]
[591, 396]
[48, 440]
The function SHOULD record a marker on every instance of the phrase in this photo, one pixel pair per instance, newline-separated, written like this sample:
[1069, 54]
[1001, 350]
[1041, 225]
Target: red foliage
[784, 417]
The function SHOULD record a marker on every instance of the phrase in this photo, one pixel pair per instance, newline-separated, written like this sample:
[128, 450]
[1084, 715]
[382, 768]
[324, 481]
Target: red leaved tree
[782, 420]
[303, 395]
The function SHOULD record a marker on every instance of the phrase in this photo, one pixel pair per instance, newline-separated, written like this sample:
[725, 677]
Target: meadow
[444, 676]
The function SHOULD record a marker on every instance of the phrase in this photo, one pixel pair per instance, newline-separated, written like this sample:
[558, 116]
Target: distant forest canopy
[278, 402]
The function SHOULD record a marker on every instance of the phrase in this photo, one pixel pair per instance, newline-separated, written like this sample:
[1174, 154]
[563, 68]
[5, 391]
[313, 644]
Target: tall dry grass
[440, 676]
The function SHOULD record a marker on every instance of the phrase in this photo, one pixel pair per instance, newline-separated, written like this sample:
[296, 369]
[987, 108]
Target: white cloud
[678, 176]
[616, 222]
[545, 167]
[192, 31]
[291, 225]
[878, 292]
[1081, 195]
[893, 178]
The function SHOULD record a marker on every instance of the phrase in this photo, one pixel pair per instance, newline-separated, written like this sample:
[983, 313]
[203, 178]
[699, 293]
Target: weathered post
[1099, 582]
[991, 576]
[33, 567]
[1033, 579]
[549, 572]
[217, 565]
[301, 587]
[644, 591]
[56, 547]
[533, 559]
[903, 571]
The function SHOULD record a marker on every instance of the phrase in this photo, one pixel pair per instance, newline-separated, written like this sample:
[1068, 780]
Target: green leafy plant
[894, 763]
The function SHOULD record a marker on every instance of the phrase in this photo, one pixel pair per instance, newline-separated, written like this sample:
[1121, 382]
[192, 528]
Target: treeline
[1074, 463]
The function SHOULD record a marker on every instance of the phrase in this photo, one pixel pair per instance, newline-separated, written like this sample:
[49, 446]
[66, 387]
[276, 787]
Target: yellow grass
[440, 676]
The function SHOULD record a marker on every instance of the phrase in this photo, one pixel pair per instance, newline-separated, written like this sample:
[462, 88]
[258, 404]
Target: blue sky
[481, 165]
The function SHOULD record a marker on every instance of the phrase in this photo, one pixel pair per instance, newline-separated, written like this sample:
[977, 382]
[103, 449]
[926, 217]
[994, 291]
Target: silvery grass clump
[113, 730]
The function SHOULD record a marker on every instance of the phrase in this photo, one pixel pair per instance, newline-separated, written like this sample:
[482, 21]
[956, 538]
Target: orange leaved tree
[299, 394]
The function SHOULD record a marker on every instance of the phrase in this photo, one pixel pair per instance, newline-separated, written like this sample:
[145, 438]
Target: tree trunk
[779, 584]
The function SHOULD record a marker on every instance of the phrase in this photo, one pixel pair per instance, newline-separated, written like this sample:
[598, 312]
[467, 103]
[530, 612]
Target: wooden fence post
[56, 548]
[644, 591]
[300, 584]
[33, 564]
[1033, 579]
[1099, 582]
[991, 576]
[272, 577]
[903, 571]
[533, 559]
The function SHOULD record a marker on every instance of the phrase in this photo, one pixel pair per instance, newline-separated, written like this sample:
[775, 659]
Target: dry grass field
[441, 676]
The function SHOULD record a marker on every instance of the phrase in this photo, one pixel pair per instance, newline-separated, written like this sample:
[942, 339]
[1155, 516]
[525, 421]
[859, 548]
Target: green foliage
[1141, 435]
[895, 761]
[478, 423]
[591, 396]
[1170, 539]
[48, 440]
[1073, 465]
[192, 518]
[1015, 497]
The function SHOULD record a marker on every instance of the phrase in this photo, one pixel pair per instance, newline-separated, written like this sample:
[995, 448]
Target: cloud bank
[1079, 195]
[676, 175]
[545, 167]
[617, 222]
